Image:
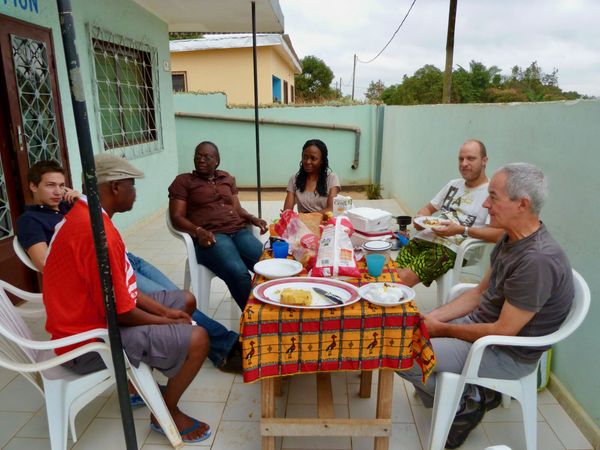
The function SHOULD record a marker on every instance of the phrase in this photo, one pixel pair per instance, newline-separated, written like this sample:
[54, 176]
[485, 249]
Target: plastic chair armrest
[473, 361]
[98, 333]
[100, 347]
[24, 295]
[459, 289]
[466, 246]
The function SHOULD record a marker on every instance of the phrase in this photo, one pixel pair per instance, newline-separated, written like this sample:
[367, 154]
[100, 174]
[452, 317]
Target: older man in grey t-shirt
[528, 291]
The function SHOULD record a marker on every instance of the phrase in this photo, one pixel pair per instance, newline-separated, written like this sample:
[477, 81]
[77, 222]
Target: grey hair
[525, 180]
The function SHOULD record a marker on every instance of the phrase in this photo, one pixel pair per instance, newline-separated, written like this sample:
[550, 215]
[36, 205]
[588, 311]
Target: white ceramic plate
[377, 246]
[270, 291]
[277, 268]
[387, 294]
[430, 221]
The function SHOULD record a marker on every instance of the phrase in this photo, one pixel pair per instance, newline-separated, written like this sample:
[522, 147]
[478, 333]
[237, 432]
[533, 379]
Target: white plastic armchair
[196, 275]
[474, 248]
[66, 392]
[449, 386]
[22, 254]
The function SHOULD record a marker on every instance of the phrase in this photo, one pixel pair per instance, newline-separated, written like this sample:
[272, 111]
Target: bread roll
[296, 297]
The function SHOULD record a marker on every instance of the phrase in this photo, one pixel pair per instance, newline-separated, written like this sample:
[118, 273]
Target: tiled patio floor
[233, 409]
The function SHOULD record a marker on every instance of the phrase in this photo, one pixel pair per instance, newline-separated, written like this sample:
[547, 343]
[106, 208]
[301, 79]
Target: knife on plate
[328, 295]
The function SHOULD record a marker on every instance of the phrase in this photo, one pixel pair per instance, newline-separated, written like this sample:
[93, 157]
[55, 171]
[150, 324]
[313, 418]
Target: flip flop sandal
[136, 400]
[197, 424]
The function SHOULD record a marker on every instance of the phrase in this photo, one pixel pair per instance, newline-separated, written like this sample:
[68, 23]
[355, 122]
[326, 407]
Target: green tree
[424, 87]
[374, 91]
[478, 84]
[470, 86]
[184, 35]
[314, 83]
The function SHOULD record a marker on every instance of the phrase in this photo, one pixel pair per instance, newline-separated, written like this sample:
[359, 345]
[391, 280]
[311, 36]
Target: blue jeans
[222, 340]
[230, 258]
[149, 278]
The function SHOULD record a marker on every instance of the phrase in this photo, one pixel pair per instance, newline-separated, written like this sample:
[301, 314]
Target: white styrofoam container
[369, 220]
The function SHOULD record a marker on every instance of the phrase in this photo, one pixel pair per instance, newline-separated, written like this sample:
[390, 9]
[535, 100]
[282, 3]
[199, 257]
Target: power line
[391, 39]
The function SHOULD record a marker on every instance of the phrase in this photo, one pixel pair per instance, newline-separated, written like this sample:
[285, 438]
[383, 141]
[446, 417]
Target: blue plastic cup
[280, 249]
[375, 263]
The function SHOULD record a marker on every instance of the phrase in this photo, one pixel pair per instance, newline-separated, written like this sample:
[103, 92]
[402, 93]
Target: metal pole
[84, 141]
[256, 122]
[447, 89]
[353, 76]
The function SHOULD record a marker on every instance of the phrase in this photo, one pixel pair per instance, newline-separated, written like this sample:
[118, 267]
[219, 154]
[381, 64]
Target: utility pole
[353, 76]
[447, 90]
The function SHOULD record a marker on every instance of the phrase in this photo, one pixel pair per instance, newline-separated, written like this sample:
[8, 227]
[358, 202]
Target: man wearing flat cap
[154, 328]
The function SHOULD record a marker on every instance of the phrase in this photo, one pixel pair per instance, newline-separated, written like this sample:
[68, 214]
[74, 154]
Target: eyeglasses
[205, 157]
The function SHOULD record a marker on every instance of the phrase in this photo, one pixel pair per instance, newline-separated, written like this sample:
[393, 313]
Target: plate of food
[387, 294]
[431, 221]
[301, 292]
[277, 268]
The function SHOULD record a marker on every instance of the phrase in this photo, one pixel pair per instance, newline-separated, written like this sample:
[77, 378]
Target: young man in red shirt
[154, 328]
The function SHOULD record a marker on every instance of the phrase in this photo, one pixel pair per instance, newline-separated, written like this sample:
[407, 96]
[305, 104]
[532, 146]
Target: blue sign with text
[25, 5]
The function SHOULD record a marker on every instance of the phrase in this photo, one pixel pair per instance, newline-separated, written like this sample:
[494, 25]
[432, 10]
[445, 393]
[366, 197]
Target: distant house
[223, 63]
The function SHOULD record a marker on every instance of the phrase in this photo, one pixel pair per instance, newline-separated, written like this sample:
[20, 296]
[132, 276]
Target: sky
[558, 34]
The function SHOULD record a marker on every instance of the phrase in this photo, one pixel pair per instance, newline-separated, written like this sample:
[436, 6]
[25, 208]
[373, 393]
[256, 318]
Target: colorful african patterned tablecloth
[280, 341]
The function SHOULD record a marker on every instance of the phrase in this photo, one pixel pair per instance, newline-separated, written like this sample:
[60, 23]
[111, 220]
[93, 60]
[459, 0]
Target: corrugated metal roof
[226, 41]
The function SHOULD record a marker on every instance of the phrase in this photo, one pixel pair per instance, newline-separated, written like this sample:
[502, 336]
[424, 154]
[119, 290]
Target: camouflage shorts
[426, 259]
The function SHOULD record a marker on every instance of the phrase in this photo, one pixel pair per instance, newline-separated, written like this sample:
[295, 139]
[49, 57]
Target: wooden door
[31, 129]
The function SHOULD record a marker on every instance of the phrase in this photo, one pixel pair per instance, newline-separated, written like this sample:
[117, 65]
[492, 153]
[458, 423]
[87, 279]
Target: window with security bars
[127, 97]
[179, 81]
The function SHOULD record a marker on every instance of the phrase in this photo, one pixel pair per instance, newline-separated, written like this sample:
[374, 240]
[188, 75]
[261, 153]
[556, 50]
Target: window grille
[179, 81]
[127, 95]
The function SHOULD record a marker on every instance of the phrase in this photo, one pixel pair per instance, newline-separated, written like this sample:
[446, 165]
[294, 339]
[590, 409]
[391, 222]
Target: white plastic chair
[450, 386]
[66, 392]
[475, 250]
[196, 274]
[22, 254]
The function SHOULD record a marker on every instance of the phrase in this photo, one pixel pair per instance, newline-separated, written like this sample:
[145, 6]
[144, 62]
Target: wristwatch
[466, 232]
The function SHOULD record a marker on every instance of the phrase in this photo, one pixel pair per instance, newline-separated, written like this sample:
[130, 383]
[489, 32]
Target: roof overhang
[217, 16]
[280, 42]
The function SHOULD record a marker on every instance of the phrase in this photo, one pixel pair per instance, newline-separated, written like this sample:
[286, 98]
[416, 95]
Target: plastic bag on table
[295, 231]
[306, 252]
[279, 228]
[336, 253]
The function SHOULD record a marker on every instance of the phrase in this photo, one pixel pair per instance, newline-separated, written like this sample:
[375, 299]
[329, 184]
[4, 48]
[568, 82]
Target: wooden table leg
[278, 381]
[366, 377]
[385, 391]
[268, 409]
[324, 396]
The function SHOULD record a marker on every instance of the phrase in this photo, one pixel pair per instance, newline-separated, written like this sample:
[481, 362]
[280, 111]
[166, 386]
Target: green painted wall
[126, 18]
[280, 146]
[420, 148]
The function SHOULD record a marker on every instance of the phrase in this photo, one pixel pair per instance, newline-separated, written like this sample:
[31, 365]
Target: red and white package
[336, 253]
[306, 252]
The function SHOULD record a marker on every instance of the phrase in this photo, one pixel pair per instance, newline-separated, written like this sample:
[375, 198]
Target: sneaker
[233, 362]
[465, 421]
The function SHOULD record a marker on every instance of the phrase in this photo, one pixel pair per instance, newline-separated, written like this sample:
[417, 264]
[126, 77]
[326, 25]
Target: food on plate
[385, 293]
[296, 297]
[433, 221]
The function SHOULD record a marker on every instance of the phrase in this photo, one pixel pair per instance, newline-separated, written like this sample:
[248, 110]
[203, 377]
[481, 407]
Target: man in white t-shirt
[432, 251]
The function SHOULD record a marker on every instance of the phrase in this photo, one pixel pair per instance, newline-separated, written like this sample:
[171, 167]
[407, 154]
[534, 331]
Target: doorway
[31, 129]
